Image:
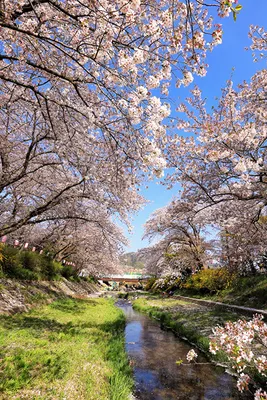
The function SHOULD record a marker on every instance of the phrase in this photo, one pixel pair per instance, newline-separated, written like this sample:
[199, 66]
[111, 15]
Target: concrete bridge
[127, 278]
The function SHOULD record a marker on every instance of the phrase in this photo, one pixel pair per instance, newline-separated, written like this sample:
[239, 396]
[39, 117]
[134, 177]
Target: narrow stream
[154, 352]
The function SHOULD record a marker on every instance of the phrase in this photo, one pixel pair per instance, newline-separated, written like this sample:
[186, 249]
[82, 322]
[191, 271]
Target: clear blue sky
[230, 54]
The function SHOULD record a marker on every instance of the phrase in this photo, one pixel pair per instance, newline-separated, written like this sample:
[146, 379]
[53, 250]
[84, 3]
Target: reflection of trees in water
[159, 378]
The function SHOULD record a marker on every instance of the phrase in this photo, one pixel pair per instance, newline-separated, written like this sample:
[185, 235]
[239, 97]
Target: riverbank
[244, 291]
[71, 349]
[22, 295]
[190, 321]
[217, 285]
[154, 353]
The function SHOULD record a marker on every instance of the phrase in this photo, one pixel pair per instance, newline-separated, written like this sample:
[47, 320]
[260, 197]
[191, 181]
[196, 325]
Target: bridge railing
[136, 276]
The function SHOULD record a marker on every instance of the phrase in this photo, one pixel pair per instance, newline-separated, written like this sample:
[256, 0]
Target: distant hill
[129, 261]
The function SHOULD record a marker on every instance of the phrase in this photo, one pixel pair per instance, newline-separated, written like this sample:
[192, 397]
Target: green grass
[245, 291]
[70, 349]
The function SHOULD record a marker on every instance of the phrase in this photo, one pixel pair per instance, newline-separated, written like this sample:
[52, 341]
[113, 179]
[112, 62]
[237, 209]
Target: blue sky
[230, 54]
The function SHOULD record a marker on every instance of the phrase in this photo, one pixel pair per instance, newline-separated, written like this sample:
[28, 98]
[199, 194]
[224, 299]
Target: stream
[153, 353]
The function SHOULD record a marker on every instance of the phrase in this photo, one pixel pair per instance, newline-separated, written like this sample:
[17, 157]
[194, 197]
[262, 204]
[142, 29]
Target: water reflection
[154, 353]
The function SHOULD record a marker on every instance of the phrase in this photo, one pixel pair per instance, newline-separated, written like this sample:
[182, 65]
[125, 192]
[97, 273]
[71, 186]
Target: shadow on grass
[112, 326]
[41, 324]
[36, 324]
[69, 306]
[30, 362]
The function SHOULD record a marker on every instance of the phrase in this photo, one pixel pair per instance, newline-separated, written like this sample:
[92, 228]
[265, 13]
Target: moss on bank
[72, 349]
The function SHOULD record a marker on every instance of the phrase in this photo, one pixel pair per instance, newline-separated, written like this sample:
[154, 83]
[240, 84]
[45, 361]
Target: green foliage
[22, 264]
[235, 10]
[170, 256]
[13, 267]
[250, 291]
[18, 368]
[51, 268]
[89, 279]
[218, 285]
[69, 273]
[209, 280]
[122, 295]
[150, 283]
[1, 252]
[31, 261]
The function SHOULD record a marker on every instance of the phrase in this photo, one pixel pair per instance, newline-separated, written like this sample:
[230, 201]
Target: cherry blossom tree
[154, 259]
[223, 167]
[258, 36]
[243, 243]
[79, 120]
[244, 342]
[226, 160]
[182, 247]
[238, 242]
[92, 246]
[46, 177]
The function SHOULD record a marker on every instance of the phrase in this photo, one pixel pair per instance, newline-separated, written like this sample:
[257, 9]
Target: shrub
[1, 251]
[11, 264]
[89, 279]
[21, 264]
[51, 269]
[30, 261]
[209, 280]
[69, 273]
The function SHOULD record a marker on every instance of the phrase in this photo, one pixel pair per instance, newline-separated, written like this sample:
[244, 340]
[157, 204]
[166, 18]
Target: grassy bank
[244, 291]
[190, 321]
[70, 349]
[217, 285]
